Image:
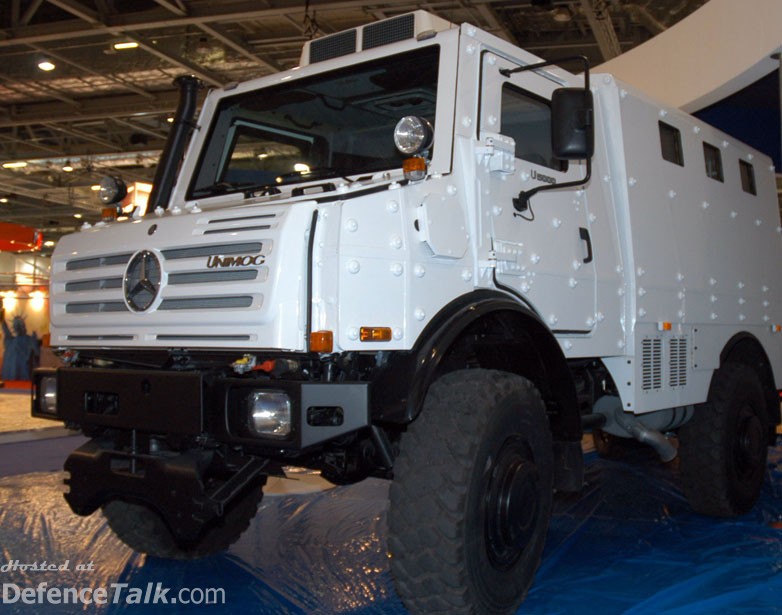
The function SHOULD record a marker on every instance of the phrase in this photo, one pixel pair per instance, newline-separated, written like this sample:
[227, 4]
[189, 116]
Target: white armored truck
[425, 255]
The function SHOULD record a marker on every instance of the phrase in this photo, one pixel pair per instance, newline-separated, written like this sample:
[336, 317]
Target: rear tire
[472, 494]
[143, 529]
[724, 447]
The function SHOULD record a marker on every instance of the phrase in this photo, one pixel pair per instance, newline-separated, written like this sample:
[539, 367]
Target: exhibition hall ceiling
[104, 104]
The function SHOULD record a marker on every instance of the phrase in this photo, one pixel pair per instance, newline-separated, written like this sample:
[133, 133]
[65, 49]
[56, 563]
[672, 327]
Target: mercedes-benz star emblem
[142, 280]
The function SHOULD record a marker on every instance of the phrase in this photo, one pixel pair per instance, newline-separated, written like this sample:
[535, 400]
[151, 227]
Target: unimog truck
[425, 255]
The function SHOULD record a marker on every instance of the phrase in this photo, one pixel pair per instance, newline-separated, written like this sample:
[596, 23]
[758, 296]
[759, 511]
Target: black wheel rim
[512, 504]
[750, 442]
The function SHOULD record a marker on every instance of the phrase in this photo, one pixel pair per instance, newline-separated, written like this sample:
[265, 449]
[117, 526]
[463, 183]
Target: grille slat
[96, 284]
[97, 307]
[79, 264]
[206, 303]
[211, 277]
[222, 249]
[236, 228]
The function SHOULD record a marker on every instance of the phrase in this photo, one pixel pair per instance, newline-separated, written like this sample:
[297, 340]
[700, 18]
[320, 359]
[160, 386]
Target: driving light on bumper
[269, 414]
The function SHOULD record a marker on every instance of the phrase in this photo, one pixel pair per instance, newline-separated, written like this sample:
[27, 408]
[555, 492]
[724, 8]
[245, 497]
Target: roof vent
[418, 25]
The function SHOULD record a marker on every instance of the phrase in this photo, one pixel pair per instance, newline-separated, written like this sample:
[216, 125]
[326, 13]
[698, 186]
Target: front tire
[143, 529]
[724, 447]
[472, 495]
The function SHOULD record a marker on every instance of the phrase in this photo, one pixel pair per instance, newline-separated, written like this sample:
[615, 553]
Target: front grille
[222, 276]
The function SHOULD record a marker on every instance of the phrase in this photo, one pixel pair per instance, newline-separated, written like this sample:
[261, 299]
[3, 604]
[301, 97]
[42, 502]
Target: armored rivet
[351, 225]
[419, 271]
[354, 266]
[419, 314]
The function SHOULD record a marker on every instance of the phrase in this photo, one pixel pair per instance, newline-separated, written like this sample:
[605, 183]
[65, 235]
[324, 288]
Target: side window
[671, 144]
[527, 119]
[713, 159]
[747, 177]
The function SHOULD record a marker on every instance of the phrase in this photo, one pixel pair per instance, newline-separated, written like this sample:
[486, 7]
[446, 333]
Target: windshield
[331, 125]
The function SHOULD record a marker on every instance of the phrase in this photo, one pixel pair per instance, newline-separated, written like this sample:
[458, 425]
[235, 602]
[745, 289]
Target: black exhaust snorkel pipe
[168, 166]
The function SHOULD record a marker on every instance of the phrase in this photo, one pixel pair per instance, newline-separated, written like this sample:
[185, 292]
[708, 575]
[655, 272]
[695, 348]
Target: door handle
[584, 233]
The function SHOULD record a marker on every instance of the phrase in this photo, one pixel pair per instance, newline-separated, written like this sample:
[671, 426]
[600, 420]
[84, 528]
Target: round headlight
[112, 190]
[413, 135]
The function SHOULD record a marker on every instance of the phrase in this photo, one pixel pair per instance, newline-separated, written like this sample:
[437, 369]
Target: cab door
[543, 245]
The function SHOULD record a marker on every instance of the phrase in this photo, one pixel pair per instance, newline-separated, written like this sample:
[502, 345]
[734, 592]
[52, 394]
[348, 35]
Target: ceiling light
[67, 167]
[125, 45]
[48, 244]
[19, 164]
[4, 199]
[78, 216]
[46, 65]
[170, 120]
[561, 15]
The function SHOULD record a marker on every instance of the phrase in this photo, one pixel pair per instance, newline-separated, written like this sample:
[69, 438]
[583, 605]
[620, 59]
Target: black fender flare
[398, 391]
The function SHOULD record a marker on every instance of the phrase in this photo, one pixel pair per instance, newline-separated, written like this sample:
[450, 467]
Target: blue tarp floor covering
[628, 543]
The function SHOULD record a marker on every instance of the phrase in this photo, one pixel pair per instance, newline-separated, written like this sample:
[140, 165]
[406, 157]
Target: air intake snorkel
[168, 166]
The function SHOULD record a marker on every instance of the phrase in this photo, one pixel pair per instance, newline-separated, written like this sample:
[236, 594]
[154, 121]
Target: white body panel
[670, 244]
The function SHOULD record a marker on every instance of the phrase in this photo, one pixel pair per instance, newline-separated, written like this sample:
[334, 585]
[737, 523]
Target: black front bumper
[192, 403]
[175, 486]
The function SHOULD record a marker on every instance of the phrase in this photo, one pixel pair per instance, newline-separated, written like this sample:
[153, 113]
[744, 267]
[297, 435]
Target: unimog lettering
[235, 261]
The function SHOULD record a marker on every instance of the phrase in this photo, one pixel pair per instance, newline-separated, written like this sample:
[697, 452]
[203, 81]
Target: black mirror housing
[572, 124]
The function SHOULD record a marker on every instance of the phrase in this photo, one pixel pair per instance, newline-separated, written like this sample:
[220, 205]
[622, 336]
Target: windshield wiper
[229, 187]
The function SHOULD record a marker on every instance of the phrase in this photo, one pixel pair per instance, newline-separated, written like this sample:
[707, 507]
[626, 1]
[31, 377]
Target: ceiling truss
[105, 111]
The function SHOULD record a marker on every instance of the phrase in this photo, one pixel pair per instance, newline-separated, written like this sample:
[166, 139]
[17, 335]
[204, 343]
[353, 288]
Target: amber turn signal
[375, 334]
[321, 341]
[414, 168]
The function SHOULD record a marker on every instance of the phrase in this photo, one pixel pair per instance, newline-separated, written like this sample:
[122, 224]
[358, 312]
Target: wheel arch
[488, 329]
[746, 349]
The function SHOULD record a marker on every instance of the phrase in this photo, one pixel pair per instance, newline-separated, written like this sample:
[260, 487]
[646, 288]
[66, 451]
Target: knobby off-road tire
[471, 497]
[724, 447]
[143, 529]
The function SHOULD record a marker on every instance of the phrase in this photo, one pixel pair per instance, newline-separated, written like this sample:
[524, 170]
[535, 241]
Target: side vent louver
[678, 362]
[651, 364]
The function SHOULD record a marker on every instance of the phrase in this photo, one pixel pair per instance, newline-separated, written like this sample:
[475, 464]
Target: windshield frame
[446, 84]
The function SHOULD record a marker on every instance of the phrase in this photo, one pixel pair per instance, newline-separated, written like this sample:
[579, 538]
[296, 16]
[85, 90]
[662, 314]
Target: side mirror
[572, 124]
